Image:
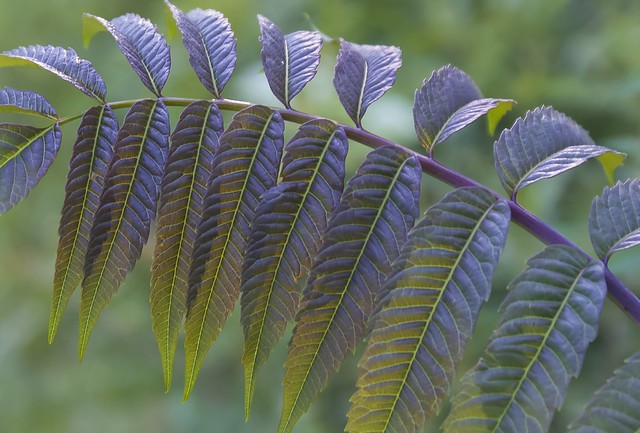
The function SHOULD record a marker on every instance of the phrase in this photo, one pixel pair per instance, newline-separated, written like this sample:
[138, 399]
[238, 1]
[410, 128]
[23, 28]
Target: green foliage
[241, 214]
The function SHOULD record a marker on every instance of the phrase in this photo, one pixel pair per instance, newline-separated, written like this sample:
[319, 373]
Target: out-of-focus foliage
[576, 55]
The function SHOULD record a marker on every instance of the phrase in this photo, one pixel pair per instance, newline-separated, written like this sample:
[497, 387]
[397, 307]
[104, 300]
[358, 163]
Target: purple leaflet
[542, 145]
[209, 40]
[290, 61]
[64, 63]
[363, 74]
[447, 102]
[26, 153]
[138, 39]
[18, 101]
[92, 153]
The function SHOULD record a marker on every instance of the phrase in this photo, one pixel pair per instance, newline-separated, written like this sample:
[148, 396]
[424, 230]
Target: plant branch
[622, 296]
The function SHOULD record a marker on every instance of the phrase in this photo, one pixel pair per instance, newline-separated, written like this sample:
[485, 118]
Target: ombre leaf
[428, 312]
[542, 145]
[548, 319]
[363, 74]
[92, 153]
[64, 63]
[285, 237]
[245, 167]
[615, 405]
[614, 221]
[449, 101]
[127, 207]
[184, 185]
[24, 102]
[209, 40]
[290, 61]
[26, 153]
[364, 236]
[138, 39]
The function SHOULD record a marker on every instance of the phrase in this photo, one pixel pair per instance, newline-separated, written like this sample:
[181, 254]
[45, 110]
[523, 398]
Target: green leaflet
[92, 153]
[285, 237]
[429, 309]
[245, 166]
[127, 207]
[615, 405]
[26, 153]
[364, 235]
[548, 319]
[184, 185]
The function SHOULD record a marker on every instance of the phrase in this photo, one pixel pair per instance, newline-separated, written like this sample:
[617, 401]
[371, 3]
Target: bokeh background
[579, 56]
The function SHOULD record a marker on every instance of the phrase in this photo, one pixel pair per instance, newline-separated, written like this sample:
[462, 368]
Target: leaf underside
[614, 221]
[64, 63]
[25, 102]
[209, 40]
[548, 319]
[127, 207]
[92, 153]
[544, 144]
[245, 167]
[364, 73]
[615, 405]
[137, 38]
[290, 61]
[285, 237]
[365, 234]
[184, 185]
[26, 153]
[447, 102]
[429, 309]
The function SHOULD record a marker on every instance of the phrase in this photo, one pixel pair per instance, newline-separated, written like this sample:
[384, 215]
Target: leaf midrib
[344, 292]
[27, 143]
[428, 320]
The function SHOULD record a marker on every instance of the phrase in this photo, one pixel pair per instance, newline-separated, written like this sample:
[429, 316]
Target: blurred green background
[578, 55]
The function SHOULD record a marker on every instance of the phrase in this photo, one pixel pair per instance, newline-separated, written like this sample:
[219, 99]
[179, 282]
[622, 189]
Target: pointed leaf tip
[145, 49]
[211, 44]
[543, 144]
[64, 63]
[290, 61]
[614, 220]
[364, 73]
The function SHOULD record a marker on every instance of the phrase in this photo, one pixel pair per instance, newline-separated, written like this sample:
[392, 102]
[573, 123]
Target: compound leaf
[615, 405]
[64, 63]
[92, 153]
[548, 319]
[430, 306]
[542, 145]
[26, 153]
[245, 167]
[184, 185]
[364, 236]
[614, 221]
[449, 101]
[285, 236]
[209, 40]
[363, 74]
[138, 39]
[127, 207]
[290, 61]
[25, 102]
